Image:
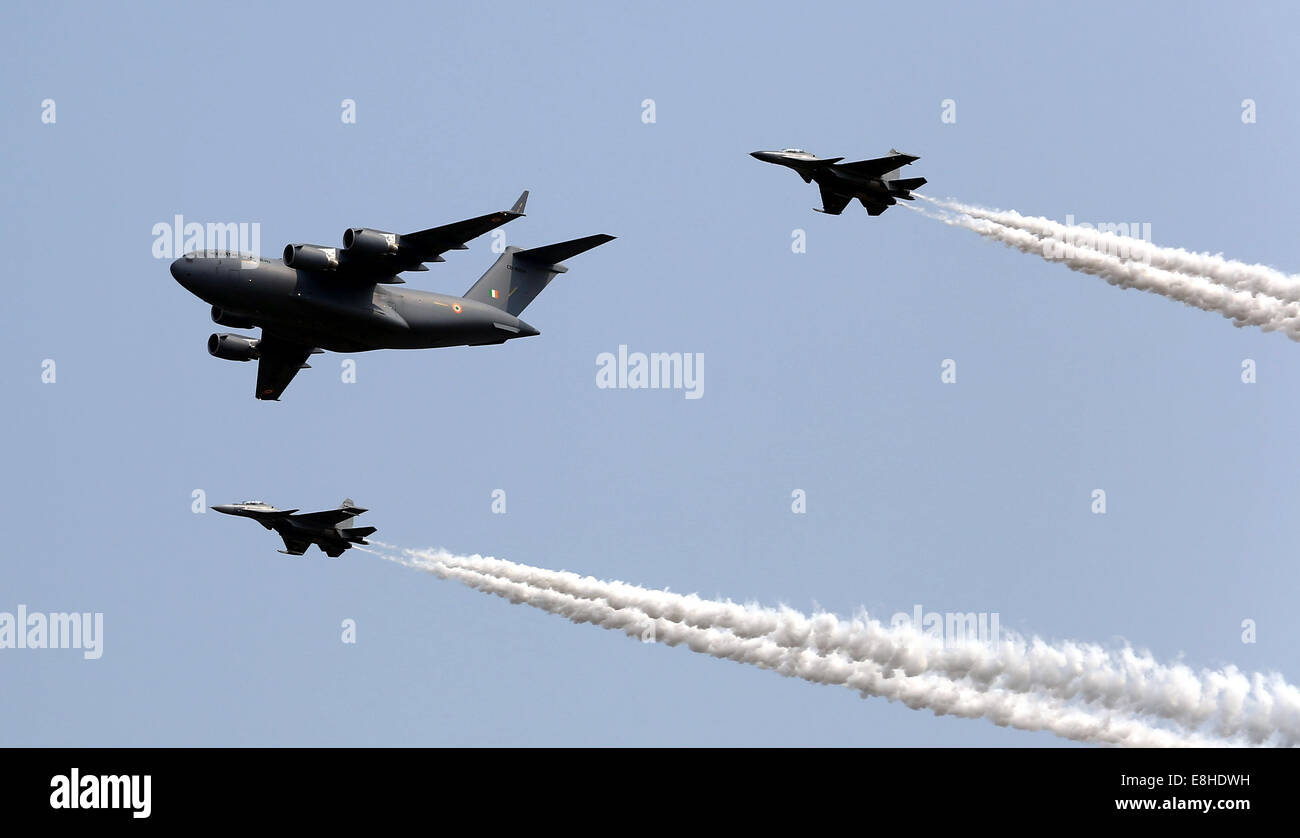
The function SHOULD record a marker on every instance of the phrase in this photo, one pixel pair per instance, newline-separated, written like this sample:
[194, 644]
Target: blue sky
[821, 368]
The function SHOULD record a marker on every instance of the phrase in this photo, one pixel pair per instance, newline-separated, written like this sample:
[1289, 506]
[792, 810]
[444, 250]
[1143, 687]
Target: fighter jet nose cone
[178, 271]
[221, 507]
[757, 155]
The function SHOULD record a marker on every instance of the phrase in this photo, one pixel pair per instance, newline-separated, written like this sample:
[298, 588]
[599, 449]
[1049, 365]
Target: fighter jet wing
[295, 547]
[278, 362]
[833, 203]
[414, 249]
[878, 166]
[328, 518]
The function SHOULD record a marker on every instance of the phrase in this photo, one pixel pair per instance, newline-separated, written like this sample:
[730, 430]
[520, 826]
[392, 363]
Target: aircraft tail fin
[893, 174]
[518, 276]
[346, 522]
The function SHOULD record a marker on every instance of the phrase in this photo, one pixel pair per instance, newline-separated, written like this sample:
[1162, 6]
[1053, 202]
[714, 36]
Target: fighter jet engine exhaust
[1249, 295]
[1077, 691]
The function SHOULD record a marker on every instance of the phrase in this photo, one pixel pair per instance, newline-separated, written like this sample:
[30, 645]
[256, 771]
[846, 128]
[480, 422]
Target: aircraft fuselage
[316, 309]
[871, 190]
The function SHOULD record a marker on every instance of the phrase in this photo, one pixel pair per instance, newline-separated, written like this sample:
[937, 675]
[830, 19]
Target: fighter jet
[873, 182]
[320, 298]
[331, 530]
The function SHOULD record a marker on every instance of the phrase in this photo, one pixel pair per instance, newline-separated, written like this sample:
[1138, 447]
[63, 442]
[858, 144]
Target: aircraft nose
[221, 507]
[180, 271]
[765, 156]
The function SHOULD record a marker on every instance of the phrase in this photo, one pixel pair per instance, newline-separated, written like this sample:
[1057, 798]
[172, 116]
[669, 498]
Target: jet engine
[311, 257]
[367, 242]
[233, 347]
[234, 321]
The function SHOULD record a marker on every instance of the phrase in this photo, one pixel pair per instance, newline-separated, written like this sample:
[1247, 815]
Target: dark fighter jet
[331, 530]
[317, 298]
[873, 182]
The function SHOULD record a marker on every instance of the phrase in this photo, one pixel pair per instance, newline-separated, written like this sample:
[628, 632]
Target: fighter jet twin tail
[317, 298]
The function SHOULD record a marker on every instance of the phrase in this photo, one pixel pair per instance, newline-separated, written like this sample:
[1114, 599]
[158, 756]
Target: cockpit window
[794, 151]
[222, 254]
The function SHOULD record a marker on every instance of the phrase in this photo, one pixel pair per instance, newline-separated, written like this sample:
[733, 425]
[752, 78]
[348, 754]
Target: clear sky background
[821, 369]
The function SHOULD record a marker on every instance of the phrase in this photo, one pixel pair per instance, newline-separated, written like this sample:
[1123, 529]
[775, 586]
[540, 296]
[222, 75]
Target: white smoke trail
[1257, 706]
[1242, 307]
[1259, 279]
[940, 694]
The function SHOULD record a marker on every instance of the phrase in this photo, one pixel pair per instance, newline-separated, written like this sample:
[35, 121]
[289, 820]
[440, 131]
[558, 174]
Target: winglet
[518, 208]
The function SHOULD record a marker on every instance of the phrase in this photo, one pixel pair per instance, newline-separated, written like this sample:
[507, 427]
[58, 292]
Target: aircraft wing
[278, 362]
[438, 240]
[878, 166]
[833, 203]
[328, 518]
[414, 249]
[294, 546]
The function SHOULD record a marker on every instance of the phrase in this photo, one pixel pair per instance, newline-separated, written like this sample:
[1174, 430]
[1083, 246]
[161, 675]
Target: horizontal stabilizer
[357, 533]
[553, 254]
[906, 183]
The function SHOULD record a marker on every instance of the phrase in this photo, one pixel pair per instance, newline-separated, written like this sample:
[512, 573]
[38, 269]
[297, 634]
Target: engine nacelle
[233, 347]
[224, 318]
[366, 242]
[311, 257]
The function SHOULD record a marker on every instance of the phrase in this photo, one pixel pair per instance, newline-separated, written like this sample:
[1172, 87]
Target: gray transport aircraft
[331, 530]
[320, 298]
[873, 182]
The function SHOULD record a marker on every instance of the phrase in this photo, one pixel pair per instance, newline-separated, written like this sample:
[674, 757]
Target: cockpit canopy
[793, 151]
